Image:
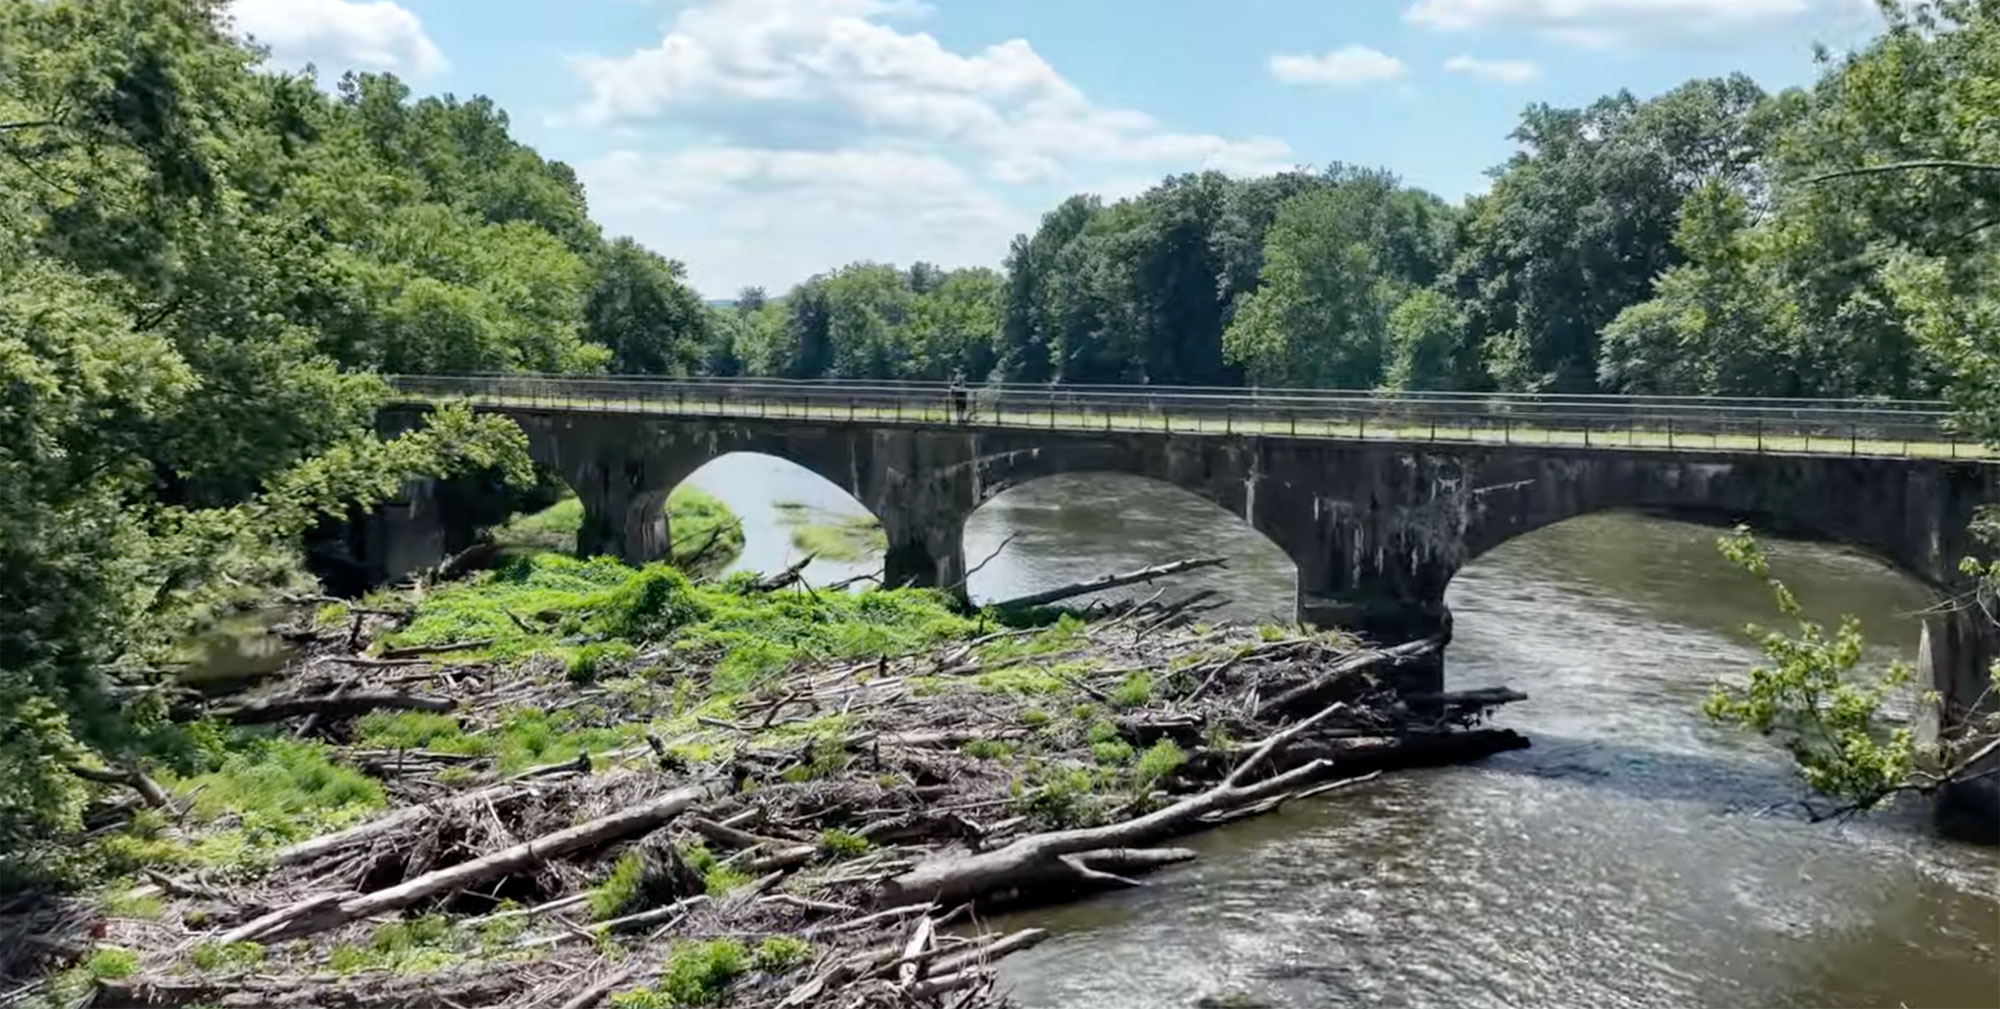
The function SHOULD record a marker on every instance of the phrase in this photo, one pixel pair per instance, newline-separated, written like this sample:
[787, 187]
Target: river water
[1624, 860]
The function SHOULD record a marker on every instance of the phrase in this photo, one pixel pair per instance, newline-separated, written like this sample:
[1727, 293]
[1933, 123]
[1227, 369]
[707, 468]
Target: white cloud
[341, 34]
[740, 216]
[1605, 22]
[1345, 67]
[1497, 71]
[888, 143]
[833, 73]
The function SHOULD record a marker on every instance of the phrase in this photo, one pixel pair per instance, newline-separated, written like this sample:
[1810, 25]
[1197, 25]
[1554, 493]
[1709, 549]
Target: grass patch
[227, 958]
[697, 974]
[849, 538]
[414, 946]
[838, 843]
[717, 879]
[780, 953]
[1160, 760]
[1134, 691]
[620, 889]
[107, 963]
[567, 603]
[271, 791]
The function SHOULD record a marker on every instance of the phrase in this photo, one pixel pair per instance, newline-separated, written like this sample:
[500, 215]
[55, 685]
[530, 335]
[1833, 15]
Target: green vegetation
[693, 517]
[1815, 702]
[838, 843]
[697, 974]
[1159, 761]
[781, 952]
[620, 890]
[848, 539]
[227, 958]
[111, 962]
[562, 599]
[411, 946]
[717, 878]
[205, 266]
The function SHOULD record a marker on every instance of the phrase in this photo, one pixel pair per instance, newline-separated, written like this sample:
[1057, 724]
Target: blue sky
[760, 141]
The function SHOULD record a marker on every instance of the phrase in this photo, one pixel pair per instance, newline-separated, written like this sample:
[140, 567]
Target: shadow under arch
[1067, 525]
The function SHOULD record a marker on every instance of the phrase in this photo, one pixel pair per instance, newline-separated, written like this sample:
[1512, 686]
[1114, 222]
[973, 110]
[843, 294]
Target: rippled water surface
[1622, 861]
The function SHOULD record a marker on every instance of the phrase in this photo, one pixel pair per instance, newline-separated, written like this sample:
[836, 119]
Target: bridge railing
[1858, 427]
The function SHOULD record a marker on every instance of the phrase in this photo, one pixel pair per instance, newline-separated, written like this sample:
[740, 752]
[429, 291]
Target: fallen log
[414, 651]
[344, 704]
[131, 777]
[1112, 581]
[361, 833]
[624, 823]
[440, 990]
[782, 578]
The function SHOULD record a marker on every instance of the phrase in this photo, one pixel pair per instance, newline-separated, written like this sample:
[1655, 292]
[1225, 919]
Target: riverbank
[564, 779]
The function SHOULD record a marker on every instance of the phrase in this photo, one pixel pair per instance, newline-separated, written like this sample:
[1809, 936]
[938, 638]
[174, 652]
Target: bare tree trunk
[624, 823]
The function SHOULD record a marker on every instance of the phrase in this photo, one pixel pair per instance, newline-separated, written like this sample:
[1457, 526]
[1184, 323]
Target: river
[1625, 860]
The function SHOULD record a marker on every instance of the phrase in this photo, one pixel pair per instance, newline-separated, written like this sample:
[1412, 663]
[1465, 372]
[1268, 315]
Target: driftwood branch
[1113, 581]
[131, 777]
[624, 823]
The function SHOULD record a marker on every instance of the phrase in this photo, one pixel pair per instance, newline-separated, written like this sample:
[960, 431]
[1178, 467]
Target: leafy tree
[1829, 714]
[1337, 263]
[639, 309]
[1719, 324]
[1426, 344]
[1580, 222]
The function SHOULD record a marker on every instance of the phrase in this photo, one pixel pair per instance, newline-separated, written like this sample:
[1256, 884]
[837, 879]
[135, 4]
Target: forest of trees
[1688, 243]
[205, 266]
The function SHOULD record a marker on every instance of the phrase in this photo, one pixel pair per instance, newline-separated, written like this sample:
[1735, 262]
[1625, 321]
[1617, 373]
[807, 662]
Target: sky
[762, 141]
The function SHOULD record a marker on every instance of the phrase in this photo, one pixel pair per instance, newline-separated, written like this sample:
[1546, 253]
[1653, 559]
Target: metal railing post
[1853, 439]
[1507, 429]
[1670, 433]
[1760, 435]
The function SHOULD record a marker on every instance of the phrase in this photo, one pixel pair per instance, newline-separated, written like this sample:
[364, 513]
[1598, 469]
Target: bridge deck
[1835, 427]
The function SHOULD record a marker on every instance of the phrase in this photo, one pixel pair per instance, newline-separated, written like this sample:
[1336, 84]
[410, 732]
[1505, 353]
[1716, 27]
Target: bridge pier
[1955, 659]
[623, 518]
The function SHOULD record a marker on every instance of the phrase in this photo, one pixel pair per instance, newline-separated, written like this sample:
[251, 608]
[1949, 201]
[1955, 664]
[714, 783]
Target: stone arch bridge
[1376, 528]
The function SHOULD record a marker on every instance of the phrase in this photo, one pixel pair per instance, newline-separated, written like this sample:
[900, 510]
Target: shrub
[699, 972]
[232, 957]
[110, 962]
[781, 952]
[842, 843]
[594, 660]
[1135, 691]
[612, 897]
[1160, 760]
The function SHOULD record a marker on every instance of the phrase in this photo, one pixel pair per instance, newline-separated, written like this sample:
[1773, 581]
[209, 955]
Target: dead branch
[1111, 581]
[131, 777]
[623, 823]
